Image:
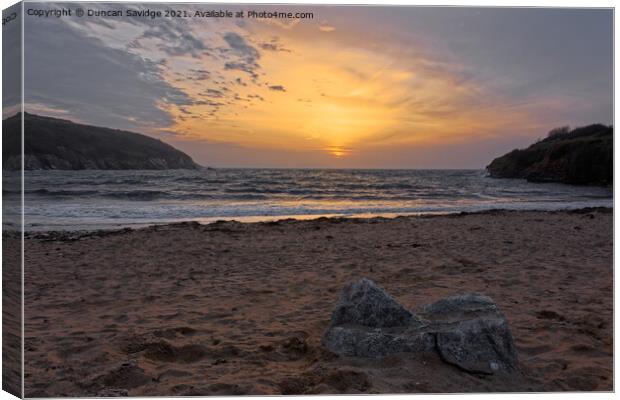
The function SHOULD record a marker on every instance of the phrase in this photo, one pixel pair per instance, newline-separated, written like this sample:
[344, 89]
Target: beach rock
[468, 331]
[460, 307]
[368, 322]
[364, 303]
[472, 333]
[376, 342]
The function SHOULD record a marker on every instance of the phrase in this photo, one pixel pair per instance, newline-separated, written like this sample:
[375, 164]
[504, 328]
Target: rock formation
[583, 156]
[468, 331]
[364, 303]
[51, 143]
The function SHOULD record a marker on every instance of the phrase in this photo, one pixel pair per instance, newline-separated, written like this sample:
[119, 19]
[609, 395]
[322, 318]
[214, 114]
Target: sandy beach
[235, 308]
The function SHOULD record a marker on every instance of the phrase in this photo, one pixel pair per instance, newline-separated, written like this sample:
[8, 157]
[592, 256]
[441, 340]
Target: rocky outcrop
[583, 156]
[364, 303]
[51, 143]
[468, 331]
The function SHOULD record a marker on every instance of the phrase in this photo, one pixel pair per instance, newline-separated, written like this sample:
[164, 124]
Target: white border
[482, 3]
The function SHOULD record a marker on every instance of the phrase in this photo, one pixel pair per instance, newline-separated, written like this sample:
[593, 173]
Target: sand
[232, 308]
[11, 313]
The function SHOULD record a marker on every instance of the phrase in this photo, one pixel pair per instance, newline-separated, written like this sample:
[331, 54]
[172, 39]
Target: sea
[89, 200]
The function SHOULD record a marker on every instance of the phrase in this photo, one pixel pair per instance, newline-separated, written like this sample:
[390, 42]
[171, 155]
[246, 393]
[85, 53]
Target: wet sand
[232, 308]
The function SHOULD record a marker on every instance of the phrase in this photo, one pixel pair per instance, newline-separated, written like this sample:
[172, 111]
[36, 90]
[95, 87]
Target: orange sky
[352, 87]
[339, 96]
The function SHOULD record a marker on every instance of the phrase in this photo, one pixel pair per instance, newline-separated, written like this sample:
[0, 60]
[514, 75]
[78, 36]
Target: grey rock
[376, 342]
[364, 303]
[456, 307]
[472, 333]
[468, 331]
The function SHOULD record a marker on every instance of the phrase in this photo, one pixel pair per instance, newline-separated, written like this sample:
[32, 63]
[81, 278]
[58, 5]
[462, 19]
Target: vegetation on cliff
[51, 143]
[582, 156]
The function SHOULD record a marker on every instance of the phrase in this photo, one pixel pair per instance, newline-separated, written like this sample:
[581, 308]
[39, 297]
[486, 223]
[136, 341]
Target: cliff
[582, 156]
[51, 143]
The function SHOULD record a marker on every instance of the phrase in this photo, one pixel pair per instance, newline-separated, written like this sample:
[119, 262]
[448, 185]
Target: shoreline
[297, 218]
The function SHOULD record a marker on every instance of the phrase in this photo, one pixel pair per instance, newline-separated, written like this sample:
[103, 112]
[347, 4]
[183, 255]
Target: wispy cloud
[326, 27]
[277, 88]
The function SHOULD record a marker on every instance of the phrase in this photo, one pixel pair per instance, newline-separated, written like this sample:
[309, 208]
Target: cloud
[206, 102]
[273, 45]
[67, 70]
[171, 36]
[212, 93]
[277, 88]
[269, 46]
[239, 45]
[325, 27]
[256, 96]
[247, 55]
[174, 40]
[199, 74]
[244, 67]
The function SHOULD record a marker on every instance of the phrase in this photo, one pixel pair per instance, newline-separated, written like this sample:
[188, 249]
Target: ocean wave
[137, 195]
[105, 182]
[80, 196]
[153, 195]
[52, 193]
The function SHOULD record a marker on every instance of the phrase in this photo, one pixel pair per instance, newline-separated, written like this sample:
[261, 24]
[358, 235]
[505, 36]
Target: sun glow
[323, 103]
[335, 98]
[337, 151]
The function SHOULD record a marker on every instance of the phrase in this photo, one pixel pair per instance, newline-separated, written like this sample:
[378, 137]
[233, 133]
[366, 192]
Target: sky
[353, 87]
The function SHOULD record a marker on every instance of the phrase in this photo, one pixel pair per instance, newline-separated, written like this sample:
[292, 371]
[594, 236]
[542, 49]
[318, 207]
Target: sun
[337, 151]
